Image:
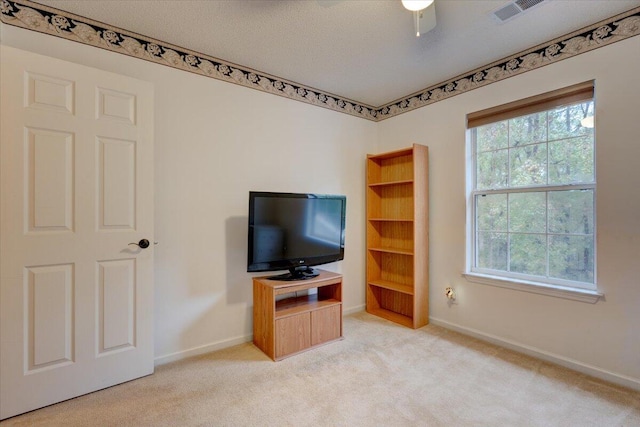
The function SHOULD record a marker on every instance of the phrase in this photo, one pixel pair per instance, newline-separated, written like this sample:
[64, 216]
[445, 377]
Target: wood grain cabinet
[398, 236]
[289, 317]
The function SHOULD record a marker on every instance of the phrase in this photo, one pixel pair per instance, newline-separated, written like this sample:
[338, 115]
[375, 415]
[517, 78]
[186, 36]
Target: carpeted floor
[381, 374]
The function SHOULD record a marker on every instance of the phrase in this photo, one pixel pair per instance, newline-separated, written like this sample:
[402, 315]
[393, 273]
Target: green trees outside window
[533, 196]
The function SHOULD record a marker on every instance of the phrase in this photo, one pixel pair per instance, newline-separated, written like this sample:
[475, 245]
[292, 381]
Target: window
[532, 182]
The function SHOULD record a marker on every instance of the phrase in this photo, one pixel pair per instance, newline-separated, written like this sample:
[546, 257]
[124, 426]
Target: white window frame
[547, 286]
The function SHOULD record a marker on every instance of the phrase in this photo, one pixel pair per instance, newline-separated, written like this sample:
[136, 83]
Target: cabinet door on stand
[293, 334]
[326, 324]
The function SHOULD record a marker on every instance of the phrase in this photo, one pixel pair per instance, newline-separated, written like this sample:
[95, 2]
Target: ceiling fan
[424, 15]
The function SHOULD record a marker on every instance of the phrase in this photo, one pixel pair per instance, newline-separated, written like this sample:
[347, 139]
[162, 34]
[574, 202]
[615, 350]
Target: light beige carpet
[380, 375]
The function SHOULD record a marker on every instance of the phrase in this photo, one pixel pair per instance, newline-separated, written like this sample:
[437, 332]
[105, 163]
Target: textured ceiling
[362, 50]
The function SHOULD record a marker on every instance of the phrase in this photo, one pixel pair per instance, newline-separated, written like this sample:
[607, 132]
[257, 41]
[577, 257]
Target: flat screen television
[294, 231]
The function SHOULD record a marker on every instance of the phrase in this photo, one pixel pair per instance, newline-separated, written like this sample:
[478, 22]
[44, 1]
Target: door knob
[143, 244]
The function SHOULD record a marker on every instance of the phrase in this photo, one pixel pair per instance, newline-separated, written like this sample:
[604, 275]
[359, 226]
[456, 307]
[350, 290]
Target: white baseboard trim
[351, 310]
[593, 371]
[207, 348]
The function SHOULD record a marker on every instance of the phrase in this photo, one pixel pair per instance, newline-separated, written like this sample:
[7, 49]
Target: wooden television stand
[285, 323]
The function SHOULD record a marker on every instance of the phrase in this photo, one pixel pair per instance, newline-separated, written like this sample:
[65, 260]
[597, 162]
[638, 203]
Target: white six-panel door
[76, 181]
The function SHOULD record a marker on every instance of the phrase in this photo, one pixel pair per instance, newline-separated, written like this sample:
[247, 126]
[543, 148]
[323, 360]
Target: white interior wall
[214, 142]
[602, 338]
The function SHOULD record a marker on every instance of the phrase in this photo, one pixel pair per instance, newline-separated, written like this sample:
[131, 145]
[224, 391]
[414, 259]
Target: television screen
[294, 231]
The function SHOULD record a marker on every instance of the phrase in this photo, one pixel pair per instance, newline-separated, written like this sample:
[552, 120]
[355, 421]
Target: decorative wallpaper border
[609, 31]
[33, 16]
[55, 22]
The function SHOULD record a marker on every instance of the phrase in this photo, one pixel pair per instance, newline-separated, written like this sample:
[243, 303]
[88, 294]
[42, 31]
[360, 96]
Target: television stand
[285, 324]
[297, 273]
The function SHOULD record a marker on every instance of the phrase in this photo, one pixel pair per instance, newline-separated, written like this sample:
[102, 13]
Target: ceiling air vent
[514, 8]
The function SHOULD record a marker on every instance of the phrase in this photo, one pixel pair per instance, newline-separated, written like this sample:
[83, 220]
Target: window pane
[528, 165]
[571, 160]
[571, 258]
[528, 254]
[492, 250]
[528, 129]
[492, 136]
[564, 122]
[571, 212]
[528, 212]
[533, 201]
[492, 169]
[492, 212]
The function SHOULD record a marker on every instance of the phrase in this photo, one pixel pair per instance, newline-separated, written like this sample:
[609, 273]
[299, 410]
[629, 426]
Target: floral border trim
[55, 22]
[609, 31]
[33, 16]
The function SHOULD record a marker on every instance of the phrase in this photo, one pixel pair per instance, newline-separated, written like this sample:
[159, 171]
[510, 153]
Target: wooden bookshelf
[398, 236]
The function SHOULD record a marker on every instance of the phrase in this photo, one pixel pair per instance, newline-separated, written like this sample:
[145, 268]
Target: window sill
[583, 295]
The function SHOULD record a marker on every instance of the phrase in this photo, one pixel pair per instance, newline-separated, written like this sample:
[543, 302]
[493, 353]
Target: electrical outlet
[449, 293]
